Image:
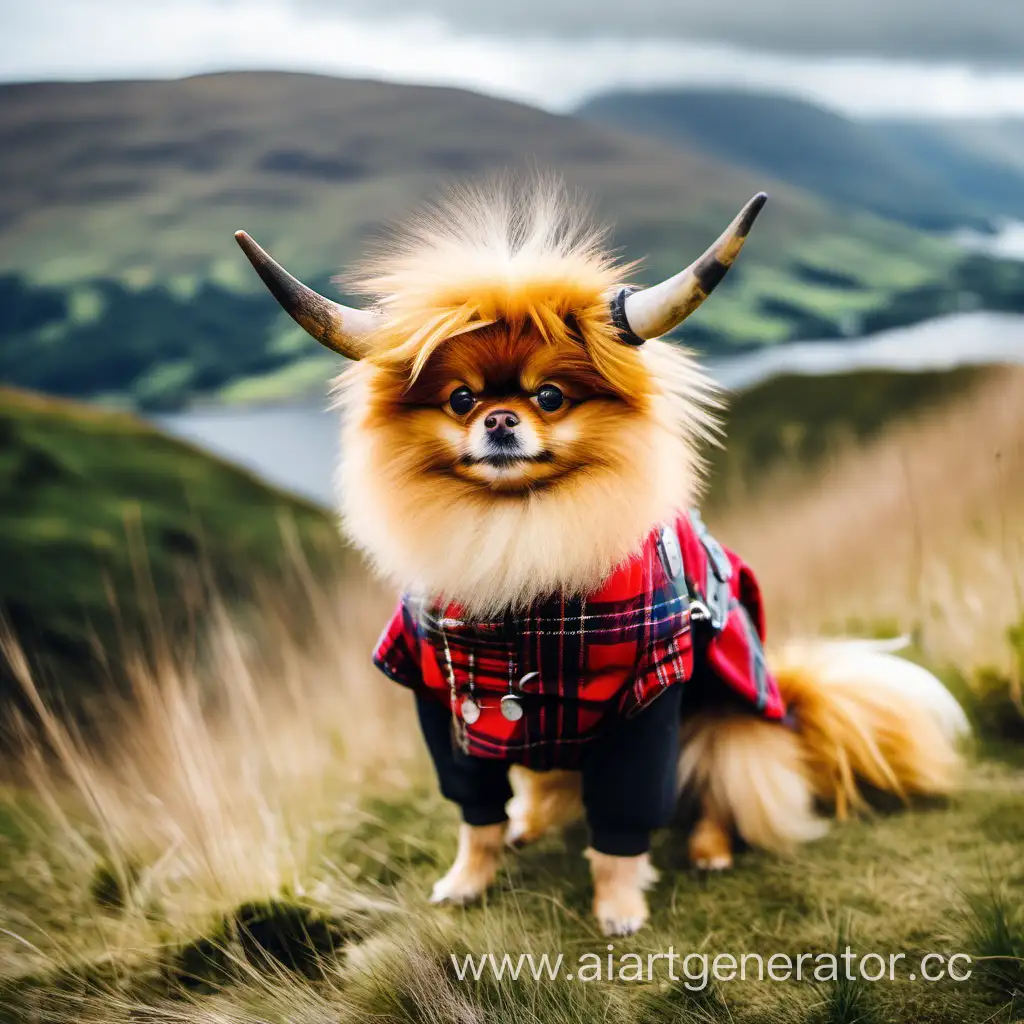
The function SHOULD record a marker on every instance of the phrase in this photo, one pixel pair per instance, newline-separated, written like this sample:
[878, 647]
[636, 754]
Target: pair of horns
[639, 315]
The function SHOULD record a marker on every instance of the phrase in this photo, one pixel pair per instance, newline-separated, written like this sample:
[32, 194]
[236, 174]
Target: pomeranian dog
[521, 456]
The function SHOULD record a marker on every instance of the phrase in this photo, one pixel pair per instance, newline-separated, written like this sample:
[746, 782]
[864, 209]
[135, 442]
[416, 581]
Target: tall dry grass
[217, 778]
[921, 530]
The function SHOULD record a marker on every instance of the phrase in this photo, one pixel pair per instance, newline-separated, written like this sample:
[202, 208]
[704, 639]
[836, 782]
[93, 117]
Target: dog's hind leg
[710, 844]
[752, 778]
[541, 803]
[476, 864]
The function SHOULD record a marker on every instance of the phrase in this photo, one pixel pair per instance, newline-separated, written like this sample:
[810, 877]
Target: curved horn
[340, 328]
[655, 311]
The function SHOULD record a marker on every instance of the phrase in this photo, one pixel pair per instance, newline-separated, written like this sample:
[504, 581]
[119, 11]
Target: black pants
[629, 775]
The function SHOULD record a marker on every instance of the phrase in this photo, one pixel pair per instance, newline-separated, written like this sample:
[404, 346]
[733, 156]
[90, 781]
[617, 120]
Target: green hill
[107, 525]
[932, 176]
[795, 422]
[119, 279]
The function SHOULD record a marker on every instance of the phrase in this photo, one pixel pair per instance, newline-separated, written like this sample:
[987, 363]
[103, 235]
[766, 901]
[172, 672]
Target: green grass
[395, 960]
[995, 920]
[998, 705]
[108, 525]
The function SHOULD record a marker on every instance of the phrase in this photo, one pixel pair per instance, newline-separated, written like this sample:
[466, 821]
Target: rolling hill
[107, 526]
[110, 528]
[934, 176]
[119, 279]
[846, 162]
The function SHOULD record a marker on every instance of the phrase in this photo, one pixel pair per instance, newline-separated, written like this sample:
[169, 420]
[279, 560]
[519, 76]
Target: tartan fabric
[578, 663]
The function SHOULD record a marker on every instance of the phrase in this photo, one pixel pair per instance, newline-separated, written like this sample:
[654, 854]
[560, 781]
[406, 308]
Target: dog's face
[513, 426]
[510, 463]
[504, 411]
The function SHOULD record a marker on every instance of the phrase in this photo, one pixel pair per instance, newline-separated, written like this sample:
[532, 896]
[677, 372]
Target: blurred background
[136, 138]
[166, 449]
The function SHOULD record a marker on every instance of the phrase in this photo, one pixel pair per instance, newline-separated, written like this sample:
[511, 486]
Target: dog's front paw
[619, 883]
[475, 868]
[621, 913]
[459, 887]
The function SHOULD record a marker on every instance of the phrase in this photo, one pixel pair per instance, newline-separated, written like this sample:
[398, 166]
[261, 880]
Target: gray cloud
[979, 31]
[514, 53]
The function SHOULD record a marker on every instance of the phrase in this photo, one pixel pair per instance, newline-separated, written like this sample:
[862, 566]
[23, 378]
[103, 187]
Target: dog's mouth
[506, 460]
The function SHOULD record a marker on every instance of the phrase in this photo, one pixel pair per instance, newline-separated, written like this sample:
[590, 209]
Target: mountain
[146, 180]
[119, 278]
[980, 161]
[933, 176]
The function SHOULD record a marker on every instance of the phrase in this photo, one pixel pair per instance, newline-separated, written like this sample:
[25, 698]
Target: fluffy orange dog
[521, 453]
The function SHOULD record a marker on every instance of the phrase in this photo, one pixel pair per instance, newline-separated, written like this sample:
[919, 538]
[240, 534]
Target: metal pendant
[511, 707]
[470, 710]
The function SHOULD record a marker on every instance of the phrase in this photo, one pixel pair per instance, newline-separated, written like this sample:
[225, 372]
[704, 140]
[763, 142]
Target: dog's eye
[461, 400]
[550, 398]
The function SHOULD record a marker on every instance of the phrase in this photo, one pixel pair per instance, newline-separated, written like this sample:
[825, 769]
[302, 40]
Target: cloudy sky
[936, 58]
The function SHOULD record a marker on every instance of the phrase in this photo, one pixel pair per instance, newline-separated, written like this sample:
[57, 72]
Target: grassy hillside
[107, 527]
[104, 514]
[119, 277]
[798, 423]
[920, 529]
[265, 859]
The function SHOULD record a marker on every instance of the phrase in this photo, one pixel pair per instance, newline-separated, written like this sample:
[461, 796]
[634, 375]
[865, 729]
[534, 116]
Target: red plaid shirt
[577, 663]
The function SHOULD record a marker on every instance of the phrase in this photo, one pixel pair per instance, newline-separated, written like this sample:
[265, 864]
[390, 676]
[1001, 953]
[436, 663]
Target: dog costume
[555, 684]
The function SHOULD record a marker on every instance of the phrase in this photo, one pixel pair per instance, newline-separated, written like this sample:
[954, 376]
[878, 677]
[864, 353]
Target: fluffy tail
[861, 715]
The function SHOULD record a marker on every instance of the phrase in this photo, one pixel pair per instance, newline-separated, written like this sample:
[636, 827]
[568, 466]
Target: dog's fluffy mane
[512, 256]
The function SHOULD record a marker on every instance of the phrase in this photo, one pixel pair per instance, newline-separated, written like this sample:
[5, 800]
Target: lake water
[295, 447]
[1006, 242]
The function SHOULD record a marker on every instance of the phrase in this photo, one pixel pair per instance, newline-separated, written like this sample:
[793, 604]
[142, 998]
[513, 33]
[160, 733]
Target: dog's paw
[710, 846]
[621, 913]
[458, 888]
[619, 883]
[721, 862]
[475, 868]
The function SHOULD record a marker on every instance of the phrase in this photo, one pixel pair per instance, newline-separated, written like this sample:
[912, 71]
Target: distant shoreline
[974, 338]
[294, 444]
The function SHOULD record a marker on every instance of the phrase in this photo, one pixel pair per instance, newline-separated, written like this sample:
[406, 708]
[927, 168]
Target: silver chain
[461, 736]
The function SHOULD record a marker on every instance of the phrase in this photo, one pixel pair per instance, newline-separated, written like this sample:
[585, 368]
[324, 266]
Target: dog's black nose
[501, 422]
